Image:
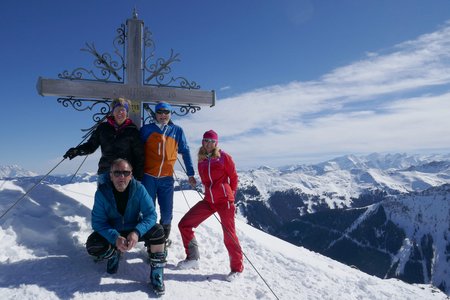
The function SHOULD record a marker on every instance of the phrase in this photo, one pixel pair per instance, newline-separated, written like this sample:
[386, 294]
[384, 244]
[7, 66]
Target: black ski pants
[97, 245]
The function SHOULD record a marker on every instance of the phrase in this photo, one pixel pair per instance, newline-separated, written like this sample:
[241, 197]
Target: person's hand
[71, 153]
[192, 182]
[122, 244]
[132, 240]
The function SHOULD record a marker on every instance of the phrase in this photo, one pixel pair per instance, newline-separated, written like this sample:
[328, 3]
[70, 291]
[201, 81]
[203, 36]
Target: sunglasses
[209, 141]
[120, 173]
[163, 111]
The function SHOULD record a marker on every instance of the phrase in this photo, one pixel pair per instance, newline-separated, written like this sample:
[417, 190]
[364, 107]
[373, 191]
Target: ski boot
[113, 262]
[232, 276]
[157, 264]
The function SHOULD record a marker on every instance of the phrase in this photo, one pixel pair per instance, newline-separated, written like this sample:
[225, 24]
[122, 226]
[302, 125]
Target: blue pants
[161, 189]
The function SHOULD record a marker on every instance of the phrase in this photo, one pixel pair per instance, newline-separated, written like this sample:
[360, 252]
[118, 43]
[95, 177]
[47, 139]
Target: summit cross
[133, 86]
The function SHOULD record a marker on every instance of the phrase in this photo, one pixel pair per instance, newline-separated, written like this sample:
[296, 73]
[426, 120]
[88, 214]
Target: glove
[71, 153]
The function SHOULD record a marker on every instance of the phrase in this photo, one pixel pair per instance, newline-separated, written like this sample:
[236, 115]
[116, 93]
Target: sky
[40, 268]
[301, 81]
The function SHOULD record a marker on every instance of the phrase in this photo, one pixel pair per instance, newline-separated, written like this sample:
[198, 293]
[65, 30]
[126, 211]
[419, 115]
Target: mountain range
[385, 214]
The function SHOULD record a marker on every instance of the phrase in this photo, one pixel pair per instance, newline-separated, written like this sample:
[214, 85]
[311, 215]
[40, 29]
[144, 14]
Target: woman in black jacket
[118, 137]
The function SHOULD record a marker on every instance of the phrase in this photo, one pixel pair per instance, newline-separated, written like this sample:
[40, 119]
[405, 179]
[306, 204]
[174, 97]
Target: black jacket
[121, 142]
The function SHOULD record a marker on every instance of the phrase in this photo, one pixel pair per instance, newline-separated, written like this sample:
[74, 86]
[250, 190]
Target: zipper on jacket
[210, 180]
[224, 190]
[163, 149]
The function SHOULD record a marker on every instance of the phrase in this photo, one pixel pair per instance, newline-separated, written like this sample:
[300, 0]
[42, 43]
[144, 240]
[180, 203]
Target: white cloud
[396, 101]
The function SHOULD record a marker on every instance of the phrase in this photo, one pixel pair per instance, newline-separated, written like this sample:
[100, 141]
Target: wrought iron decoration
[104, 61]
[109, 68]
[82, 105]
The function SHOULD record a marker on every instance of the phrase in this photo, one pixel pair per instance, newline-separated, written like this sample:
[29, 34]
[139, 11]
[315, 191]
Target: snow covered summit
[42, 256]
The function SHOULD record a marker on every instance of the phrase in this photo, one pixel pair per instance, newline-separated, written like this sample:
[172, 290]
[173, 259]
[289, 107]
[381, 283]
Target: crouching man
[123, 215]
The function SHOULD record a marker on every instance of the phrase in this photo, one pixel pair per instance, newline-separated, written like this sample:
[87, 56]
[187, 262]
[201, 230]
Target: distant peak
[15, 171]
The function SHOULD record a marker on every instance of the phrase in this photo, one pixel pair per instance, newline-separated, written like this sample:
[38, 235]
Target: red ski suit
[220, 180]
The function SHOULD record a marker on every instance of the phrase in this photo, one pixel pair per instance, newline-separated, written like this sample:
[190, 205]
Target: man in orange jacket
[163, 140]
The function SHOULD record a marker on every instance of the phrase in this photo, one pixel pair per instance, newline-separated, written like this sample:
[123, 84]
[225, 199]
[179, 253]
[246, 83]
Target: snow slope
[42, 256]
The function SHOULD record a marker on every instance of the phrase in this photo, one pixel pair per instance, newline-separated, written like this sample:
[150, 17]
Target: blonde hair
[203, 154]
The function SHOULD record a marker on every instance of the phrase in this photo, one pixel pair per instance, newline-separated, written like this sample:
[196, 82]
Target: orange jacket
[161, 149]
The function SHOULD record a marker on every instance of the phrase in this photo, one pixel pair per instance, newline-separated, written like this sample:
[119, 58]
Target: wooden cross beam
[133, 87]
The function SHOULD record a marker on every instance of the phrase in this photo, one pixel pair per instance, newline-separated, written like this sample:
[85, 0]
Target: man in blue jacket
[124, 214]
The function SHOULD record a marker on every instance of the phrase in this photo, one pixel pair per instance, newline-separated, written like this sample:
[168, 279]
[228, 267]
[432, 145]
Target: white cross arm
[86, 89]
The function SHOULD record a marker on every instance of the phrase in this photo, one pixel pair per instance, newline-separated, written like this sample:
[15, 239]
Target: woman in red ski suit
[219, 178]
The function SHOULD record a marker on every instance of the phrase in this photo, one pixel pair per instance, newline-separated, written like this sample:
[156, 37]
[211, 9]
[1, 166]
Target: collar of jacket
[161, 126]
[112, 122]
[107, 189]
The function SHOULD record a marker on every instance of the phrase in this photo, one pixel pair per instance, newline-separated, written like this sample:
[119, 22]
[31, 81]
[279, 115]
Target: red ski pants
[203, 210]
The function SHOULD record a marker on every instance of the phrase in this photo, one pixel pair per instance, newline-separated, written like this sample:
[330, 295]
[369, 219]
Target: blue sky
[296, 81]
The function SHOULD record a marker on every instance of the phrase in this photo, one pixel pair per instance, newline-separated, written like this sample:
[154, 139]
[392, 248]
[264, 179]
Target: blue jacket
[140, 214]
[162, 147]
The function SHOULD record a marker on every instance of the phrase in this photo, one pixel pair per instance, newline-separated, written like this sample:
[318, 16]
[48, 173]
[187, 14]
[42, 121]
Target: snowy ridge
[55, 265]
[425, 217]
[403, 236]
[337, 182]
[14, 171]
